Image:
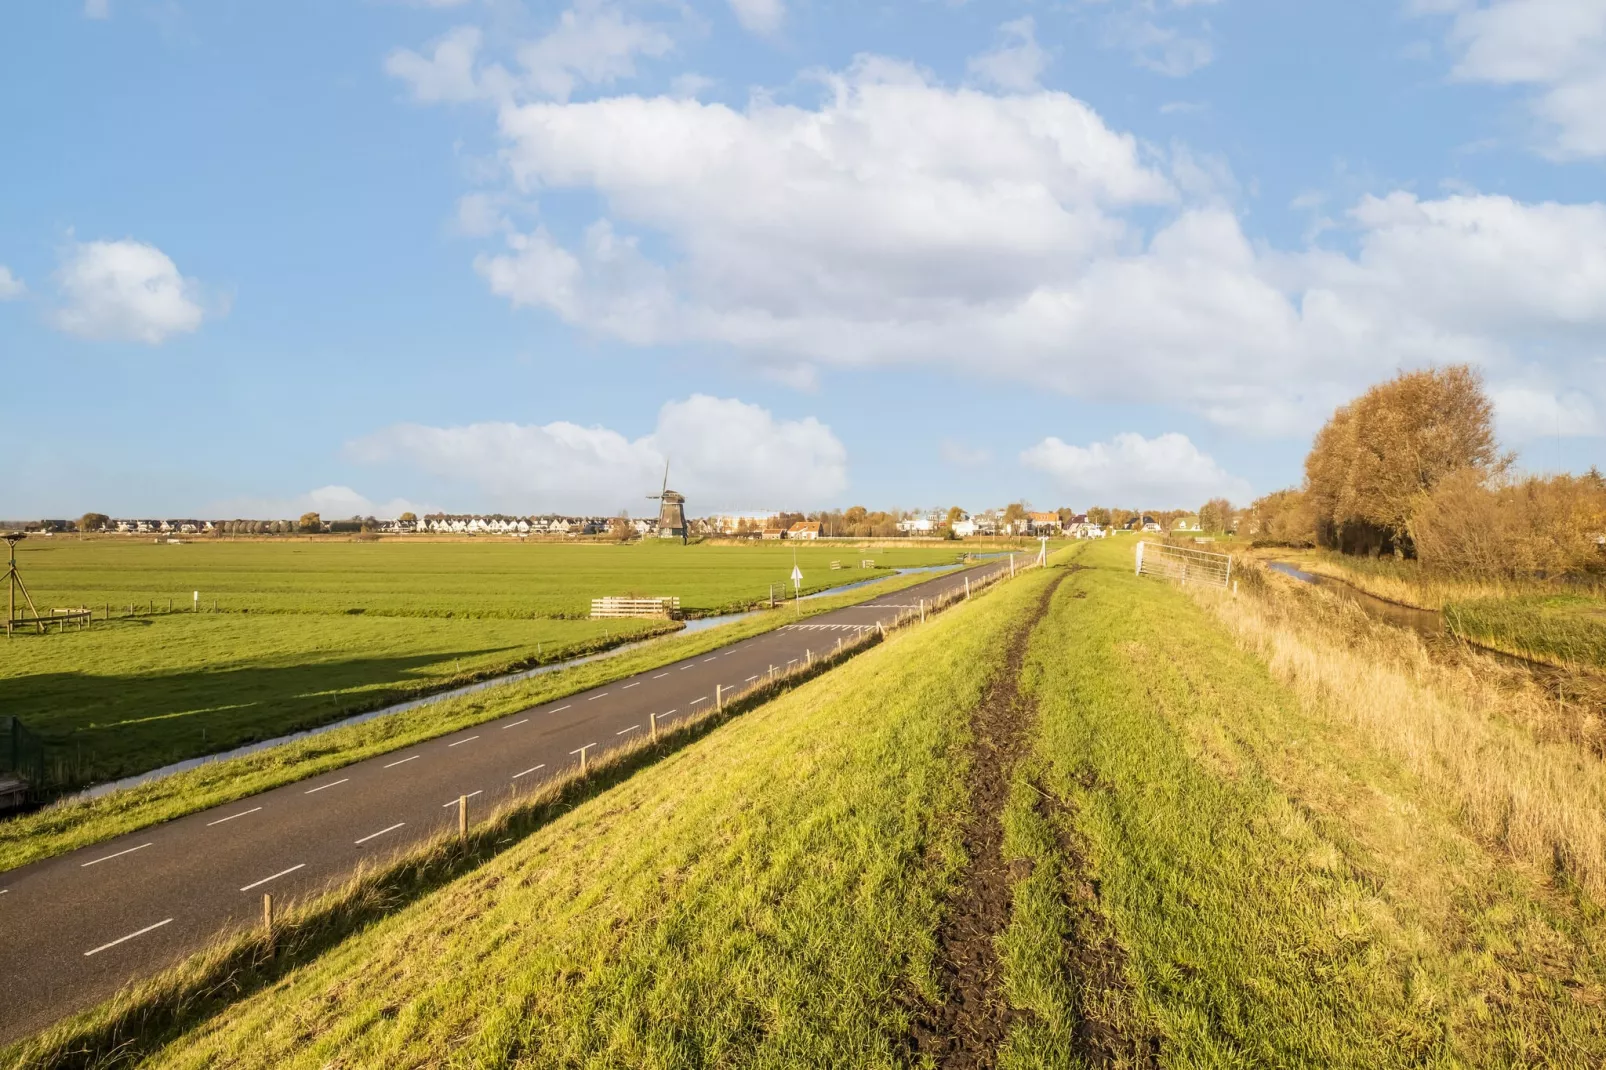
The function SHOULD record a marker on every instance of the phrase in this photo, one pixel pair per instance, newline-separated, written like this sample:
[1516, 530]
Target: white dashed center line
[660, 676]
[381, 832]
[231, 817]
[695, 701]
[560, 709]
[404, 761]
[627, 687]
[276, 876]
[515, 724]
[130, 936]
[460, 742]
[119, 854]
[470, 795]
[530, 770]
[594, 698]
[707, 660]
[320, 787]
[632, 728]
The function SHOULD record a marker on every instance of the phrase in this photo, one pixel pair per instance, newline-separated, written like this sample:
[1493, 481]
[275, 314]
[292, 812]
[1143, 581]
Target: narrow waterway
[1421, 621]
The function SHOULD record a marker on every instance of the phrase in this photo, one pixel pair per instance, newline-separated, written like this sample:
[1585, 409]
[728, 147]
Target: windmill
[671, 510]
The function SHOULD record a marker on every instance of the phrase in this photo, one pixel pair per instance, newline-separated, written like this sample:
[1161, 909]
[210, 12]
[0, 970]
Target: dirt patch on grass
[1109, 1030]
[969, 1027]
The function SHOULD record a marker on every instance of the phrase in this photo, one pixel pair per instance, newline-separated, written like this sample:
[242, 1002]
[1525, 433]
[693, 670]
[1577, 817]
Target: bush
[1538, 526]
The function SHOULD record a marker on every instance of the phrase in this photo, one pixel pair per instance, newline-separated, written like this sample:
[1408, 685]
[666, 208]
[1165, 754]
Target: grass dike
[967, 1027]
[757, 896]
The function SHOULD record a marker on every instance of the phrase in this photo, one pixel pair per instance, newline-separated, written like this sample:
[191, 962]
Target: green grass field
[307, 631]
[1563, 630]
[1212, 862]
[399, 577]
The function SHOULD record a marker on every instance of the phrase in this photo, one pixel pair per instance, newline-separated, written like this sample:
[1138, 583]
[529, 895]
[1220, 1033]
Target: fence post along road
[1183, 564]
[77, 926]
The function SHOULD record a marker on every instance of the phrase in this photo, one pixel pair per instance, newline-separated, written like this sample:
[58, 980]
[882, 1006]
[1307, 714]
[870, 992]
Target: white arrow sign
[797, 576]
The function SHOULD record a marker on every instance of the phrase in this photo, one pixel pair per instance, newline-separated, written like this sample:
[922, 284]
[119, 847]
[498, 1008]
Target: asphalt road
[74, 928]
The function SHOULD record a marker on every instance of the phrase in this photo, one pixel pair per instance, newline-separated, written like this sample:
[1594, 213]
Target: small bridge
[635, 607]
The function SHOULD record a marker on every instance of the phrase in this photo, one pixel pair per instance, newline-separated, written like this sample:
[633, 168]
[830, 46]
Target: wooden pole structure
[462, 818]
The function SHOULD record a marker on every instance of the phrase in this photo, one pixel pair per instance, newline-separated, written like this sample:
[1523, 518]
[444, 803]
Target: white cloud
[1016, 63]
[724, 454]
[1166, 471]
[1524, 413]
[11, 287]
[1159, 37]
[125, 290]
[447, 74]
[333, 502]
[760, 16]
[1557, 47]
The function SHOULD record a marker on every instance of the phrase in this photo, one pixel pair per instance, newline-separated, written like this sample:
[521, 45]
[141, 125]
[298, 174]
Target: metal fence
[1184, 565]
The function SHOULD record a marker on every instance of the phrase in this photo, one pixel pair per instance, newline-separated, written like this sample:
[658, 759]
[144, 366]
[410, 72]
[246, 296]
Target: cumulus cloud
[11, 287]
[760, 16]
[1166, 471]
[1016, 63]
[724, 454]
[594, 42]
[333, 502]
[125, 290]
[1160, 35]
[1556, 47]
[1525, 413]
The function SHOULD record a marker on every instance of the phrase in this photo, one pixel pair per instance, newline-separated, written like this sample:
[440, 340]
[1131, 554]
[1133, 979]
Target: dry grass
[1499, 751]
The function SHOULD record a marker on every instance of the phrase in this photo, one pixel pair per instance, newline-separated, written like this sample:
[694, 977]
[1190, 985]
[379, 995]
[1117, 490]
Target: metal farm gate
[1184, 565]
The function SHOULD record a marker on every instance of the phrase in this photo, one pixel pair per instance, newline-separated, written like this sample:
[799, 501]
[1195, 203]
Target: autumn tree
[93, 522]
[310, 522]
[1014, 514]
[1373, 460]
[1215, 515]
[408, 518]
[1284, 517]
[1099, 515]
[955, 515]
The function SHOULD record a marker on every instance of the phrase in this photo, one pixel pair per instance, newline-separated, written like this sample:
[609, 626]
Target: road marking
[660, 676]
[119, 854]
[588, 746]
[130, 936]
[460, 742]
[666, 713]
[683, 668]
[470, 795]
[231, 817]
[276, 876]
[707, 660]
[627, 687]
[3, 891]
[695, 701]
[750, 679]
[404, 761]
[381, 832]
[515, 724]
[594, 698]
[632, 728]
[530, 770]
[320, 787]
[560, 709]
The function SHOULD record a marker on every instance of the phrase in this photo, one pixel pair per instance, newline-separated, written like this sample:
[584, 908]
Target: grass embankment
[75, 823]
[1232, 871]
[766, 896]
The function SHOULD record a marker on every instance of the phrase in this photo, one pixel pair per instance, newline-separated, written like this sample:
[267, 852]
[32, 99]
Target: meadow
[1236, 830]
[295, 633]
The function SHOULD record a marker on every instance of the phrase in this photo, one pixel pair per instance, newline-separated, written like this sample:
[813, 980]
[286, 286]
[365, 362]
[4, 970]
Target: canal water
[1421, 621]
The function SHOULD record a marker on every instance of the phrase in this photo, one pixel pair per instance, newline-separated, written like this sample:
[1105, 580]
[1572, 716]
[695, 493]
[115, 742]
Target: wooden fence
[635, 607]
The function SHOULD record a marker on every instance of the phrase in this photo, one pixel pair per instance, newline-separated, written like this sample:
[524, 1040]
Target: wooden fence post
[462, 818]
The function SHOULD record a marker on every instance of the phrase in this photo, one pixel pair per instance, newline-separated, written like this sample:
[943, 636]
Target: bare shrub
[1473, 525]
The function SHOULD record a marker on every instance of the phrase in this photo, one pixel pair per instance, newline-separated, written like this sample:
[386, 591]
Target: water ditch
[699, 624]
[1428, 622]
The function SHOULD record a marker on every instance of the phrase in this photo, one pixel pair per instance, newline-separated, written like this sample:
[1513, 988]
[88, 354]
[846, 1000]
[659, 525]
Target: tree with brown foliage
[1215, 515]
[1283, 517]
[1378, 454]
[1538, 526]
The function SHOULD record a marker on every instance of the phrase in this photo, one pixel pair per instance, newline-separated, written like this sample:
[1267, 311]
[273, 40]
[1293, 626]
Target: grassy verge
[1567, 631]
[131, 695]
[763, 897]
[1281, 886]
[76, 823]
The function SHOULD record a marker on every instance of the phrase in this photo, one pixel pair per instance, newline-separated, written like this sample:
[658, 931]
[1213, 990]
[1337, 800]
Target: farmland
[306, 631]
[1260, 830]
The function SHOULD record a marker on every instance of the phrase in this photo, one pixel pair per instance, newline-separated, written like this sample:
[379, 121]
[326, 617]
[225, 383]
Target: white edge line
[231, 817]
[632, 728]
[588, 746]
[666, 713]
[627, 687]
[660, 676]
[404, 761]
[130, 936]
[594, 698]
[320, 787]
[697, 700]
[276, 876]
[454, 802]
[515, 724]
[119, 854]
[381, 832]
[707, 660]
[470, 739]
[560, 709]
[530, 770]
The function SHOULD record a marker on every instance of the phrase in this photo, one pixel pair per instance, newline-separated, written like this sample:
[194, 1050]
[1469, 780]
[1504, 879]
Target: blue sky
[491, 255]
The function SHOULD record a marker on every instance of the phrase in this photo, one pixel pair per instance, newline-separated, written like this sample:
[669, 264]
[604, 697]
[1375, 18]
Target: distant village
[856, 522]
